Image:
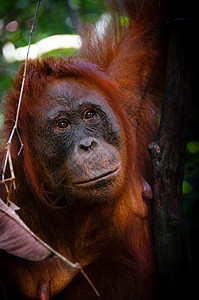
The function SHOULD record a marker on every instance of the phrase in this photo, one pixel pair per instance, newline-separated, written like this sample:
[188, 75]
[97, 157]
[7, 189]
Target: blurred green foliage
[54, 18]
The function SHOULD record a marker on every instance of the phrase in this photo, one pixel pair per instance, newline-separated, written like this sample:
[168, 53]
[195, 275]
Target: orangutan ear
[147, 192]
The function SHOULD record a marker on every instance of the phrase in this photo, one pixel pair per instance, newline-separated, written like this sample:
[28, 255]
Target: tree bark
[168, 162]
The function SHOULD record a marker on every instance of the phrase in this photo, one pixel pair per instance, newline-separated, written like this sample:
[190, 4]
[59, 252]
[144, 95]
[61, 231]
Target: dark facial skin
[78, 139]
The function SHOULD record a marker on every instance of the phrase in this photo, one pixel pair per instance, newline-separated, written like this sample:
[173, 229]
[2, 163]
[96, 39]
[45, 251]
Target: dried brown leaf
[16, 238]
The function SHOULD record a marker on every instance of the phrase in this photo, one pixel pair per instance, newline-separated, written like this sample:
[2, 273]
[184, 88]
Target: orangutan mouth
[99, 178]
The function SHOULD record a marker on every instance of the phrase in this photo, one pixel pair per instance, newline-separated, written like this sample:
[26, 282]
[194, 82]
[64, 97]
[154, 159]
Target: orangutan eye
[89, 114]
[62, 125]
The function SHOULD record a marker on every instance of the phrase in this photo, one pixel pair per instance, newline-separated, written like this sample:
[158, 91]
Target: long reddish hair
[39, 74]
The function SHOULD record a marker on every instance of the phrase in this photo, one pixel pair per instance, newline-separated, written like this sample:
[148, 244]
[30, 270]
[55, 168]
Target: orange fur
[113, 242]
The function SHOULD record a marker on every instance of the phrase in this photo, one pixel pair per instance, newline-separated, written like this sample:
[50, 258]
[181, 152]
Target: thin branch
[89, 281]
[8, 158]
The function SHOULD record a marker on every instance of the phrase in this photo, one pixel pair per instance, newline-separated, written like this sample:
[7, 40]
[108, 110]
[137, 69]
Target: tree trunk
[168, 161]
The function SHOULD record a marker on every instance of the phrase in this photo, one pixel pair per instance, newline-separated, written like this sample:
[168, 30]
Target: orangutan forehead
[69, 91]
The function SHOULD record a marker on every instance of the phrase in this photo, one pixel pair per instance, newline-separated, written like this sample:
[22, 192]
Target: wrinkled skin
[80, 145]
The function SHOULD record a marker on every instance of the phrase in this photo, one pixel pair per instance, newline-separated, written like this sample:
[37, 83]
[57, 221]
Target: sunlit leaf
[193, 147]
[124, 21]
[187, 188]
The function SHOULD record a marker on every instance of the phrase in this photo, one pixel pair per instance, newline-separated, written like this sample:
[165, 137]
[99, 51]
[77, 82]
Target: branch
[8, 158]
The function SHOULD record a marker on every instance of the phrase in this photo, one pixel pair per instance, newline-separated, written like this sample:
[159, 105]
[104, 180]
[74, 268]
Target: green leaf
[187, 188]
